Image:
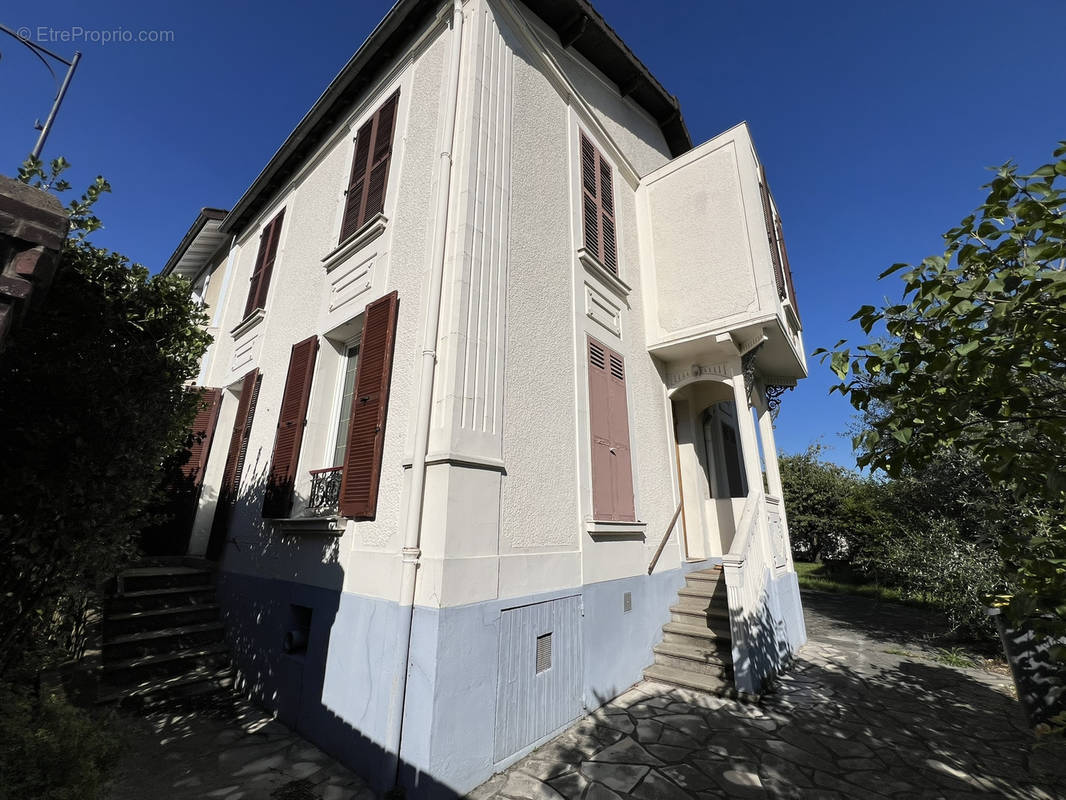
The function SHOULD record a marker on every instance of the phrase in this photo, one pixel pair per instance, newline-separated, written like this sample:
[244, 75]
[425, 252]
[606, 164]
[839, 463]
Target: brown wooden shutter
[621, 457]
[771, 236]
[238, 442]
[788, 268]
[365, 196]
[597, 197]
[292, 419]
[600, 429]
[201, 433]
[612, 462]
[370, 402]
[264, 264]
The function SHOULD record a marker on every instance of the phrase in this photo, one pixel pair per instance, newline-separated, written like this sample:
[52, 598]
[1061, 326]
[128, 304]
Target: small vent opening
[299, 630]
[544, 652]
[627, 602]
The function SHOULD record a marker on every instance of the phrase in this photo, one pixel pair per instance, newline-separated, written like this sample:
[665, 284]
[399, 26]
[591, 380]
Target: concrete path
[866, 712]
[229, 752]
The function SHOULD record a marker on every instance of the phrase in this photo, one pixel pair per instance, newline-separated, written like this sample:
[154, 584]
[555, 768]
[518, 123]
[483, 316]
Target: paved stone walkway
[236, 752]
[866, 712]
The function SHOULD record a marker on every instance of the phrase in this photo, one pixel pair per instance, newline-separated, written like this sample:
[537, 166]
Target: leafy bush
[931, 536]
[934, 563]
[51, 750]
[91, 389]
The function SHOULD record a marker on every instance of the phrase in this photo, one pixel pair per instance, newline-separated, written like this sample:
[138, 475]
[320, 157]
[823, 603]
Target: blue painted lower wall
[337, 693]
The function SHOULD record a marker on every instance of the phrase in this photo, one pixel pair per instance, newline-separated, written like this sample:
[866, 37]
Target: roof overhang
[200, 242]
[577, 24]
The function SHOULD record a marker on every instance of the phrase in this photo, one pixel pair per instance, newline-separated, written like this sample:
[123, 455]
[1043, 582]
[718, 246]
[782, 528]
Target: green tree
[830, 509]
[975, 365]
[93, 402]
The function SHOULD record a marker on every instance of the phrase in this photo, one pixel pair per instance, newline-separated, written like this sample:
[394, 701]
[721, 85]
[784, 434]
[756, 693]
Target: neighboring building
[484, 319]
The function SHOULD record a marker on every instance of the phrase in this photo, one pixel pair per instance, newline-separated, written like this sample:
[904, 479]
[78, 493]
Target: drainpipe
[413, 523]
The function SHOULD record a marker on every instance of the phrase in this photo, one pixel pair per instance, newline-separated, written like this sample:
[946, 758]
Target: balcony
[713, 261]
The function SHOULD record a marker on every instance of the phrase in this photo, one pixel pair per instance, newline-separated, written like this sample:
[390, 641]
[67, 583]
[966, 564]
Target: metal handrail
[662, 543]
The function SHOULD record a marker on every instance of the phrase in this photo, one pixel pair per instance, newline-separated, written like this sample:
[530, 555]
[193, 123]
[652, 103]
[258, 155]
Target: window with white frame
[344, 412]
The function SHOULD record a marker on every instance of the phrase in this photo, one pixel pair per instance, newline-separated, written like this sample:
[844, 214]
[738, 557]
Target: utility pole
[71, 65]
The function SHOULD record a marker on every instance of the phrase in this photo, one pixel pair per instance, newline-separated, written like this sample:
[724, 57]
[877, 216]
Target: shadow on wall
[770, 638]
[300, 649]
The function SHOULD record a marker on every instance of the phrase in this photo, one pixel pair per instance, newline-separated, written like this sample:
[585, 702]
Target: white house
[495, 350]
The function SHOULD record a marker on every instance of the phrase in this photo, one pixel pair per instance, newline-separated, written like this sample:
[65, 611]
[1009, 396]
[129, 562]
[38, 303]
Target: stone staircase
[695, 652]
[162, 636]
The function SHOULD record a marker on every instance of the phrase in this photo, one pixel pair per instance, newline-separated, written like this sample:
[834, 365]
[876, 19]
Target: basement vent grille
[544, 652]
[627, 602]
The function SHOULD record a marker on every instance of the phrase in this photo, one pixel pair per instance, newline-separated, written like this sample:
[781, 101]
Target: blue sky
[874, 120]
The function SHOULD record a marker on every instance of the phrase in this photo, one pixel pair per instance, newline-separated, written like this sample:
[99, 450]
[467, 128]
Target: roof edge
[206, 215]
[382, 44]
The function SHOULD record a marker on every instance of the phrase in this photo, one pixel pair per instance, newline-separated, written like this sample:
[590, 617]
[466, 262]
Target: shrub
[51, 750]
[934, 563]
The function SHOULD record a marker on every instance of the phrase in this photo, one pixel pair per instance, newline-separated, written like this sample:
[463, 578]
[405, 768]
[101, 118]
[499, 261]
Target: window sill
[616, 531]
[311, 526]
[594, 266]
[371, 230]
[248, 323]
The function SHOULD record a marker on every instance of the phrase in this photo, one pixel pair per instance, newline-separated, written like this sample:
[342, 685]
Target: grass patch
[822, 578]
[954, 657]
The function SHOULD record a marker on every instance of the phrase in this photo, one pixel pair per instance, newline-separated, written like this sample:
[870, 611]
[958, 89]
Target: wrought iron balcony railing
[325, 490]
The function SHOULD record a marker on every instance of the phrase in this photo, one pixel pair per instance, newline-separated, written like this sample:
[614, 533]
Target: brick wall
[33, 225]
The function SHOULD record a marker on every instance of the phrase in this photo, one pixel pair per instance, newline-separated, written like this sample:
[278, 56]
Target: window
[365, 196]
[612, 463]
[351, 361]
[597, 199]
[264, 264]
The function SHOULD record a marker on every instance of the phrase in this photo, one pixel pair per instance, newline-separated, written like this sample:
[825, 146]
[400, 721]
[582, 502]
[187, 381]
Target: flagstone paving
[865, 712]
[230, 752]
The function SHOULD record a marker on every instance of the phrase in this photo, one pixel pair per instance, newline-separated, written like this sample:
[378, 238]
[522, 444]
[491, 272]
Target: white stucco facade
[507, 519]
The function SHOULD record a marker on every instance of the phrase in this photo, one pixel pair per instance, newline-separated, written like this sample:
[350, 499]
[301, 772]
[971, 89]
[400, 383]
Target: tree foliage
[830, 509]
[92, 400]
[932, 535]
[975, 363]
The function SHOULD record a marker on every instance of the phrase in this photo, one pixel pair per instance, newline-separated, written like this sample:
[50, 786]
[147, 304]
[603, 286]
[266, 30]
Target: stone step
[163, 640]
[701, 683]
[161, 633]
[155, 618]
[690, 680]
[699, 617]
[703, 579]
[693, 635]
[712, 606]
[713, 653]
[139, 579]
[213, 678]
[702, 589]
[696, 667]
[175, 659]
[150, 613]
[159, 598]
[206, 587]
